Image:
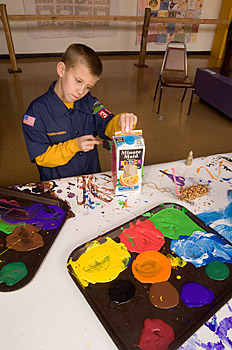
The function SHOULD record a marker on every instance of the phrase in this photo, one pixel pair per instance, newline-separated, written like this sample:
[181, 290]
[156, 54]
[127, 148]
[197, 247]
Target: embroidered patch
[104, 113]
[29, 120]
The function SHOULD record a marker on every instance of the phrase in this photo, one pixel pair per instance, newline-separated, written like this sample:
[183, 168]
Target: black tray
[125, 323]
[33, 258]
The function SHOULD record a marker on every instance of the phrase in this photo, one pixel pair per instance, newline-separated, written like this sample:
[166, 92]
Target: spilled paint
[163, 295]
[151, 267]
[221, 220]
[195, 294]
[121, 291]
[100, 262]
[12, 273]
[174, 223]
[142, 236]
[202, 248]
[156, 335]
[217, 270]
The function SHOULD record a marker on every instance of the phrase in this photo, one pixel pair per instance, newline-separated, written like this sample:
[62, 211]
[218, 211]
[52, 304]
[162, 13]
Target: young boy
[60, 127]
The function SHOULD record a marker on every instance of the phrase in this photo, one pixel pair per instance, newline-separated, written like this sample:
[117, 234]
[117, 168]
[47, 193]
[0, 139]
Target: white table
[50, 312]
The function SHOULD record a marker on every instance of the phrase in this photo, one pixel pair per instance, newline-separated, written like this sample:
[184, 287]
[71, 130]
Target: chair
[174, 71]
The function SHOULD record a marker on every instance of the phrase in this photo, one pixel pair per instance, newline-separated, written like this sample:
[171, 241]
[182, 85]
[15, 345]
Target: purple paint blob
[195, 294]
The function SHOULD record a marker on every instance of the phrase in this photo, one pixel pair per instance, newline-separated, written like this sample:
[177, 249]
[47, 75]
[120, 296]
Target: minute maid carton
[127, 161]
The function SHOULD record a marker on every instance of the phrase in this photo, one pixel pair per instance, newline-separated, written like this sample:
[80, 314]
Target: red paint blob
[156, 335]
[142, 236]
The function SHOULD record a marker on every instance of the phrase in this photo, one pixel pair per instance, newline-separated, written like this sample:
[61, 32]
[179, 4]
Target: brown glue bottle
[189, 158]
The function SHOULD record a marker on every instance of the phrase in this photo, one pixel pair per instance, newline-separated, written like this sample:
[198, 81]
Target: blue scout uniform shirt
[48, 121]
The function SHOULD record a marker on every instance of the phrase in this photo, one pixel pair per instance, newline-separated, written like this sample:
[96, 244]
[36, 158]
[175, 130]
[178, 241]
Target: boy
[60, 127]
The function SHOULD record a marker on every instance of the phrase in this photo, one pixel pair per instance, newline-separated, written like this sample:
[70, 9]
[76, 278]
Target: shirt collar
[59, 107]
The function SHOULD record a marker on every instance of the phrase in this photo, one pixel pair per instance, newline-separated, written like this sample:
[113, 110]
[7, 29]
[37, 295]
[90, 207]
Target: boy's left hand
[127, 121]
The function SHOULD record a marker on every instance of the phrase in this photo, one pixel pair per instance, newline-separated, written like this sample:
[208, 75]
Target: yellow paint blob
[101, 262]
[176, 261]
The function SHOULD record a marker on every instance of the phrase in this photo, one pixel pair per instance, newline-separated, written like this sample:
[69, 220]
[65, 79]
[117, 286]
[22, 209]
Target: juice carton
[127, 161]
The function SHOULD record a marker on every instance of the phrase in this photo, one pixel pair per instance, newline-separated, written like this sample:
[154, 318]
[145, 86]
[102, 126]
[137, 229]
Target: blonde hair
[81, 53]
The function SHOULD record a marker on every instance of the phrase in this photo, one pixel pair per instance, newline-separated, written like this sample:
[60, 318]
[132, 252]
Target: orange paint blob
[151, 267]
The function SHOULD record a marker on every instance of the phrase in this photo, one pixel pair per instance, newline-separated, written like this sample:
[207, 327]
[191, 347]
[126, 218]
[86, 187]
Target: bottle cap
[129, 140]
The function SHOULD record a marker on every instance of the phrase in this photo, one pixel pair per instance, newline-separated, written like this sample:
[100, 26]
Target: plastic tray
[16, 204]
[125, 322]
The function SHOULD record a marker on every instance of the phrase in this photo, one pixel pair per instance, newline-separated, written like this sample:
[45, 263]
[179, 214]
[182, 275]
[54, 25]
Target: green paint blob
[217, 270]
[7, 227]
[174, 223]
[13, 273]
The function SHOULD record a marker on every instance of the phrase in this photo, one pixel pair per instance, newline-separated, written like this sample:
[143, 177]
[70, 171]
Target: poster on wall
[65, 29]
[161, 33]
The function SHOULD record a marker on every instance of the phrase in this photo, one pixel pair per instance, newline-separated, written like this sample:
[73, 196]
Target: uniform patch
[104, 113]
[29, 120]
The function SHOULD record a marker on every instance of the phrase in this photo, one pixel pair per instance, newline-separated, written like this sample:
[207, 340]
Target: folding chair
[174, 71]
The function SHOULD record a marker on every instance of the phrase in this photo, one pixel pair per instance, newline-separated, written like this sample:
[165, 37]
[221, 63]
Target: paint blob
[174, 223]
[195, 294]
[13, 272]
[121, 291]
[44, 216]
[163, 295]
[151, 267]
[24, 238]
[156, 335]
[202, 248]
[142, 236]
[101, 262]
[176, 261]
[217, 270]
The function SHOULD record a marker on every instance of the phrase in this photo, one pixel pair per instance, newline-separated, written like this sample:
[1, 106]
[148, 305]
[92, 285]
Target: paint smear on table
[174, 223]
[142, 236]
[156, 335]
[163, 295]
[221, 220]
[101, 262]
[202, 248]
[151, 267]
[13, 272]
[195, 294]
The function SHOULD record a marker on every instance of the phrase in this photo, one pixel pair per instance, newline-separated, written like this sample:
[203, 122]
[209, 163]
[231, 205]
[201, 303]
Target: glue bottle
[189, 158]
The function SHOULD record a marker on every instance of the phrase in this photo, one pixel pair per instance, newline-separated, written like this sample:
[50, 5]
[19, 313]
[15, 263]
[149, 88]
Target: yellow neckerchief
[69, 104]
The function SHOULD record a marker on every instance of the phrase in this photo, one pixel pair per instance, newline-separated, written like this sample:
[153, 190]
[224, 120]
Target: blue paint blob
[195, 294]
[202, 248]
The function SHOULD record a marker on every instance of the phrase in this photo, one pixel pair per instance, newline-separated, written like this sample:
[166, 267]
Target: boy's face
[74, 83]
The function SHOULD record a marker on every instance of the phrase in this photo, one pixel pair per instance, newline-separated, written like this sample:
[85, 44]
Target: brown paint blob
[24, 238]
[163, 295]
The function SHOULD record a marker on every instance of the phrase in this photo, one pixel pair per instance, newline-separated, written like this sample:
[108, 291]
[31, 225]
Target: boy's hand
[126, 122]
[87, 142]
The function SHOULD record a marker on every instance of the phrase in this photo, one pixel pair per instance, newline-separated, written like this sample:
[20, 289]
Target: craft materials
[174, 179]
[180, 180]
[193, 192]
[189, 158]
[127, 161]
[195, 294]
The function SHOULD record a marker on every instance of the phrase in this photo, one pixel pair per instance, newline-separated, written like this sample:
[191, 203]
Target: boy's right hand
[87, 142]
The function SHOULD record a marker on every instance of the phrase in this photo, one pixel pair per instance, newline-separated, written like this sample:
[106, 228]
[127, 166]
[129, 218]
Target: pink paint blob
[156, 335]
[142, 236]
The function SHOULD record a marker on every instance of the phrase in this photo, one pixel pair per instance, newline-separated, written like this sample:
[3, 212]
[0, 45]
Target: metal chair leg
[157, 85]
[161, 90]
[190, 103]
[182, 100]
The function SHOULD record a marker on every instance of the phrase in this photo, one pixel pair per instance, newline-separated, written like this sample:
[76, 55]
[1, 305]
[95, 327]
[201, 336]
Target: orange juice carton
[127, 161]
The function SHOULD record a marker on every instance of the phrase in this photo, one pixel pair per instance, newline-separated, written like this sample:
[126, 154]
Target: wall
[123, 40]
